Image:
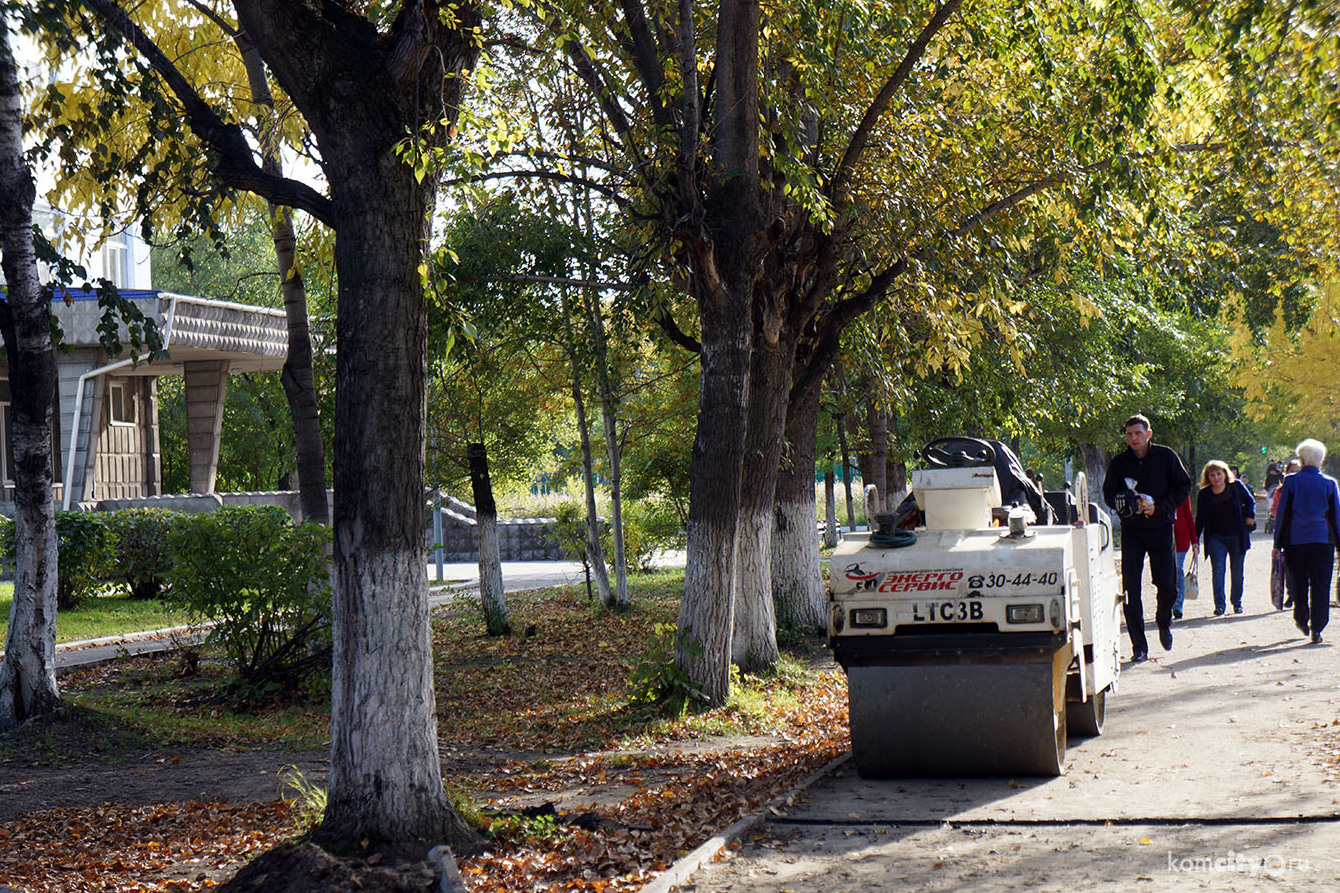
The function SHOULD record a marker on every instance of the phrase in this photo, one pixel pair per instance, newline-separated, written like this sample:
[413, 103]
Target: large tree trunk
[707, 611]
[28, 670]
[726, 243]
[492, 595]
[797, 576]
[297, 378]
[385, 777]
[754, 644]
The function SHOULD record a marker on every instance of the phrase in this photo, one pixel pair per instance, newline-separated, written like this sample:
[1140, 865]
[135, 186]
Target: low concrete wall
[519, 539]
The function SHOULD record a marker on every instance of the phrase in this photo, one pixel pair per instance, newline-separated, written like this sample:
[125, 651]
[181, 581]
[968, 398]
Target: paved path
[1217, 771]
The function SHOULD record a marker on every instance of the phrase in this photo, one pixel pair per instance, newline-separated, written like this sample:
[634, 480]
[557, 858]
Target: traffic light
[1263, 451]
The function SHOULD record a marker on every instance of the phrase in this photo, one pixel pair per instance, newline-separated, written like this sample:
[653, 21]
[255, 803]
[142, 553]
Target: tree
[375, 91]
[28, 670]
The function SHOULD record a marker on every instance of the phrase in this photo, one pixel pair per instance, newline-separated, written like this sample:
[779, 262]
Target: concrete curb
[685, 868]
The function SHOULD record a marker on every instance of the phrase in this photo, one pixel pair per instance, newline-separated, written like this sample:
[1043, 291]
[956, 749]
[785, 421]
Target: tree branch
[861, 136]
[236, 164]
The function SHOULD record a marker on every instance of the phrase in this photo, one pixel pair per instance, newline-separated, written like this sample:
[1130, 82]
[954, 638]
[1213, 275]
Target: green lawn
[106, 615]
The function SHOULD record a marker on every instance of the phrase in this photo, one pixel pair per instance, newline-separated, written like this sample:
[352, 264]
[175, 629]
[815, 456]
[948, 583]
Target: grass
[104, 615]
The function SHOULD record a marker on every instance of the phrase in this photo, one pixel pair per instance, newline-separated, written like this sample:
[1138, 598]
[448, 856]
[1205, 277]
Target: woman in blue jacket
[1225, 517]
[1305, 528]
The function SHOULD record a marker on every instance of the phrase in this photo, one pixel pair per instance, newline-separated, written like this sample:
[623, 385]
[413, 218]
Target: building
[106, 418]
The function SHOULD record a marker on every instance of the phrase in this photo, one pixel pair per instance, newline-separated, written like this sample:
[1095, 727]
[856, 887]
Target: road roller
[979, 623]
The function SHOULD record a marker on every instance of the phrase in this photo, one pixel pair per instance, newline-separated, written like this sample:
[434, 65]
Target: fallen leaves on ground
[546, 716]
[120, 848]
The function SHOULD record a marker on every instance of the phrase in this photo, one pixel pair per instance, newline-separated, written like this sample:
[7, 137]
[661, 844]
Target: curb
[685, 868]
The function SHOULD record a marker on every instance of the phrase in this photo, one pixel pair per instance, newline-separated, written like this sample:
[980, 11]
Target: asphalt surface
[1217, 771]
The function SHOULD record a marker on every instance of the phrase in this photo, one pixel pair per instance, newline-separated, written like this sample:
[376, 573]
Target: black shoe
[1302, 627]
[1139, 657]
[1177, 615]
[1219, 612]
[1237, 609]
[1165, 638]
[1316, 638]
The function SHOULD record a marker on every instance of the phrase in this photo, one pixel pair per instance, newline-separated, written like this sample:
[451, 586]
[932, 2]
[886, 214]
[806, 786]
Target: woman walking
[1225, 517]
[1306, 531]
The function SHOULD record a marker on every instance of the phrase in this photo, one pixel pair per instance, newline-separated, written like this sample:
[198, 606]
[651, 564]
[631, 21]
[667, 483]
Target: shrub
[264, 582]
[649, 527]
[84, 555]
[143, 549]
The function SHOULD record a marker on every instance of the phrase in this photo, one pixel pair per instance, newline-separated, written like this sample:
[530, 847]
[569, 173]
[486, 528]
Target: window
[6, 439]
[122, 410]
[116, 260]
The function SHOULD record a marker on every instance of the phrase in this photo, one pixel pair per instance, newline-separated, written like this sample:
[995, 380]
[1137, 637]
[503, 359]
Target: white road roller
[973, 641]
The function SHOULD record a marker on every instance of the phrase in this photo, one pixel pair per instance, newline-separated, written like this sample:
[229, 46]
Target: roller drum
[987, 717]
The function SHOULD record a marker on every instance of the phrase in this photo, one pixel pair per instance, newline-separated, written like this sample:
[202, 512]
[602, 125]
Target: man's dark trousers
[1157, 543]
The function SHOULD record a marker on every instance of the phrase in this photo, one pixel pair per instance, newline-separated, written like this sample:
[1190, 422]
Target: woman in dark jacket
[1225, 517]
[1306, 529]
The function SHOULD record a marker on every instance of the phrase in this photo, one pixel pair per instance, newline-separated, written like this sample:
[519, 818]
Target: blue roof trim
[80, 294]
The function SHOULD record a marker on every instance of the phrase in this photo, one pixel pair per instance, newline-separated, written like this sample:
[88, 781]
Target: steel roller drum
[992, 717]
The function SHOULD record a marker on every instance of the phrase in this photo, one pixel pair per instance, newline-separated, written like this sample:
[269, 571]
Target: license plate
[953, 611]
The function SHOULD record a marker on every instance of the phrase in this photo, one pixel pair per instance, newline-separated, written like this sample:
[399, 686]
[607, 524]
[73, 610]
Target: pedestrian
[1306, 530]
[1225, 518]
[1290, 467]
[1184, 540]
[1145, 484]
[1274, 474]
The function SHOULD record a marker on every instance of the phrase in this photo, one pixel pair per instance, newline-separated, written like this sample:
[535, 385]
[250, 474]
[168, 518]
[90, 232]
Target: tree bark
[28, 671]
[492, 594]
[797, 584]
[754, 643]
[707, 611]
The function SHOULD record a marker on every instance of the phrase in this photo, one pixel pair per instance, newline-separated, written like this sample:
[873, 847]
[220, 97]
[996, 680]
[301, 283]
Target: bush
[84, 555]
[143, 548]
[264, 582]
[649, 527]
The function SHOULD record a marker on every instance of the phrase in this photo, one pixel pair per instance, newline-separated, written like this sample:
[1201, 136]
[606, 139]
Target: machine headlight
[1024, 614]
[869, 617]
[839, 619]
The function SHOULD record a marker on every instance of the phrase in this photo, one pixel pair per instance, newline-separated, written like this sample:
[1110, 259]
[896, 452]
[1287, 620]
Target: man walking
[1145, 484]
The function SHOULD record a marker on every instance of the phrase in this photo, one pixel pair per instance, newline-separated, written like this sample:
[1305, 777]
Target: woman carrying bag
[1225, 517]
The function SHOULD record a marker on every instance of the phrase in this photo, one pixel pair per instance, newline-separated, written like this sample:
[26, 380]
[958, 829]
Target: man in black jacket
[1145, 484]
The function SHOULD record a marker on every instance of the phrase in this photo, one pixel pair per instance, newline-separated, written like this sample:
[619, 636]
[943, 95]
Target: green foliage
[85, 551]
[142, 548]
[264, 582]
[570, 527]
[658, 680]
[305, 798]
[649, 526]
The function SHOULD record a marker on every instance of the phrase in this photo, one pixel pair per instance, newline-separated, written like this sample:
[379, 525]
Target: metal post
[437, 538]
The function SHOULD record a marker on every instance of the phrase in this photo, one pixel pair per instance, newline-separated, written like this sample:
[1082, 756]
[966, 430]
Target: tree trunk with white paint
[28, 670]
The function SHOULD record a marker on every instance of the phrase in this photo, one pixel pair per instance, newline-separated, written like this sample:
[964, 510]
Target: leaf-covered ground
[582, 789]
